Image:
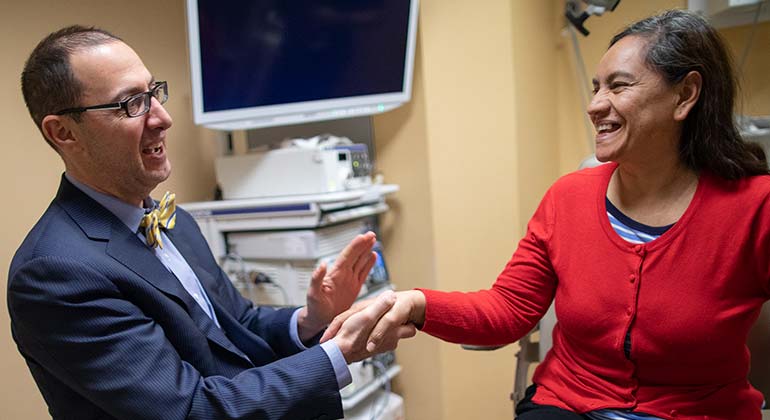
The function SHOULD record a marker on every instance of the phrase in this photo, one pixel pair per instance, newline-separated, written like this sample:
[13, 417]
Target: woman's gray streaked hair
[679, 42]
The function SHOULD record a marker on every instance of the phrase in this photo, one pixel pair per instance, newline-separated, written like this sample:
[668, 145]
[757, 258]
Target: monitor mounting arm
[577, 15]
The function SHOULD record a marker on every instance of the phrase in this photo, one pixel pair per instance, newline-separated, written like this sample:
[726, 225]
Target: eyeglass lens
[140, 104]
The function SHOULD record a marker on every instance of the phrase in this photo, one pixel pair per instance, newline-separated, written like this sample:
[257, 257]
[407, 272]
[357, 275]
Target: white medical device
[294, 171]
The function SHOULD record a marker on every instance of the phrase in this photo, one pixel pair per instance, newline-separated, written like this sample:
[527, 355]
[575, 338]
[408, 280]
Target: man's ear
[58, 130]
[689, 92]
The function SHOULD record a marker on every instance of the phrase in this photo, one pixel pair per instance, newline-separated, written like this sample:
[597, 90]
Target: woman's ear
[689, 92]
[58, 131]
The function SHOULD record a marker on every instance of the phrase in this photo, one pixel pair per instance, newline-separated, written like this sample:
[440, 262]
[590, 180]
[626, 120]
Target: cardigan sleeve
[515, 302]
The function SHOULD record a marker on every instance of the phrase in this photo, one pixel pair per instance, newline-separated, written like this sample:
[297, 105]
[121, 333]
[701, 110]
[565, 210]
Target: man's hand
[332, 291]
[399, 322]
[352, 337]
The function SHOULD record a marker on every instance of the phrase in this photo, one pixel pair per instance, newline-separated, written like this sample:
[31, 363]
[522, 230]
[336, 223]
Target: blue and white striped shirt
[631, 230]
[619, 415]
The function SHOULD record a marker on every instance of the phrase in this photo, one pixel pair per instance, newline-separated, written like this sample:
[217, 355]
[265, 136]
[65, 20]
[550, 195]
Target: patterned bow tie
[162, 216]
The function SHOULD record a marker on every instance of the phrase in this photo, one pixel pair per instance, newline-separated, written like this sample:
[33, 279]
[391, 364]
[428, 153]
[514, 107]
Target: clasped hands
[368, 327]
[375, 325]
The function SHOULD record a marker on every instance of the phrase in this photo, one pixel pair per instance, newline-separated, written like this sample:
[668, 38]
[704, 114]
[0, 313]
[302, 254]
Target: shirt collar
[130, 215]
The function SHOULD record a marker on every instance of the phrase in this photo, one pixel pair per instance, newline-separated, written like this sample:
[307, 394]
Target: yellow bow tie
[163, 216]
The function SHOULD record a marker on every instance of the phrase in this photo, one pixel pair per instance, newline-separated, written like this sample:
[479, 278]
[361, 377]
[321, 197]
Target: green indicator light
[380, 108]
[355, 164]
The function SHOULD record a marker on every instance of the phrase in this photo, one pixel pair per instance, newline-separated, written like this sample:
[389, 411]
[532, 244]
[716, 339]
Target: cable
[582, 77]
[246, 281]
[258, 277]
[240, 274]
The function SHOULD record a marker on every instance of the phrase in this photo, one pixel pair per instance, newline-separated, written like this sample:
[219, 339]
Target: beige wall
[469, 127]
[467, 181]
[536, 28]
[495, 118]
[755, 83]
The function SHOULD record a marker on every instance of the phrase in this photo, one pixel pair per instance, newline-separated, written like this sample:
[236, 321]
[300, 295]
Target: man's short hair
[47, 81]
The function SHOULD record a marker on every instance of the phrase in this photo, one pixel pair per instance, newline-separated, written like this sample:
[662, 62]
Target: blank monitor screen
[273, 52]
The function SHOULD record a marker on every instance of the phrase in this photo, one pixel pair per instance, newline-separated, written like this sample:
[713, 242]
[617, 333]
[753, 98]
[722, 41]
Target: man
[117, 318]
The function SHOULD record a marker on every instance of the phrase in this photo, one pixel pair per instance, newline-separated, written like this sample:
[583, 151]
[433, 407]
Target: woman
[657, 261]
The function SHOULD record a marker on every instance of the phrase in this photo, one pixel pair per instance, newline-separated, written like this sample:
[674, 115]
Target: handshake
[367, 327]
[374, 326]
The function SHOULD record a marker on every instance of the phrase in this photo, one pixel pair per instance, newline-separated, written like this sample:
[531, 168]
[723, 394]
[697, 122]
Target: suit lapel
[214, 333]
[256, 349]
[100, 224]
[131, 252]
[183, 246]
[126, 248]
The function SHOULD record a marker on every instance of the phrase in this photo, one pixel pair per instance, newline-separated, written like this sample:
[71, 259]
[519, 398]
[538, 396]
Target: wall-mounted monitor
[281, 62]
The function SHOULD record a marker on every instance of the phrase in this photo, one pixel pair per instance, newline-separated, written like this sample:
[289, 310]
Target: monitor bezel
[297, 112]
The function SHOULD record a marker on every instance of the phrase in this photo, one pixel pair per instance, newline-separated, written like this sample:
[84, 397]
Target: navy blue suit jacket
[108, 332]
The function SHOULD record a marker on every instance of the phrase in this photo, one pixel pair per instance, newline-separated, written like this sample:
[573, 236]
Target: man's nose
[159, 117]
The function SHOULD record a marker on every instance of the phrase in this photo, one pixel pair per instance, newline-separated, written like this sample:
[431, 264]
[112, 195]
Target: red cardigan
[689, 299]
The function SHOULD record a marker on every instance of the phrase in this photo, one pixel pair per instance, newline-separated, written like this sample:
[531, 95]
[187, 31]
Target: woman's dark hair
[679, 42]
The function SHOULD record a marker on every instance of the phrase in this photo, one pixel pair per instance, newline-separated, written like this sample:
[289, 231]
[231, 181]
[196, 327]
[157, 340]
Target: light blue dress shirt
[131, 216]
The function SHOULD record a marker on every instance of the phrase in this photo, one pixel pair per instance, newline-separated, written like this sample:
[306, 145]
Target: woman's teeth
[606, 127]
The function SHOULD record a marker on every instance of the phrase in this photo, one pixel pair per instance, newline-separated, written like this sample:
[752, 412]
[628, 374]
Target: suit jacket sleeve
[85, 332]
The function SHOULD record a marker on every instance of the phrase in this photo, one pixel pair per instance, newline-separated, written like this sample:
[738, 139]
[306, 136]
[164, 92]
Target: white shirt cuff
[294, 330]
[341, 370]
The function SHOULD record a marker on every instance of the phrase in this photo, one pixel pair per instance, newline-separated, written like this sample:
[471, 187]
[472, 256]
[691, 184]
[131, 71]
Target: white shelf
[381, 405]
[371, 387]
[218, 218]
[252, 206]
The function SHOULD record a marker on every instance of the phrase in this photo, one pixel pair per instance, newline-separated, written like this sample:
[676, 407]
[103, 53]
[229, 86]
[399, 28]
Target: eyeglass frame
[124, 103]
